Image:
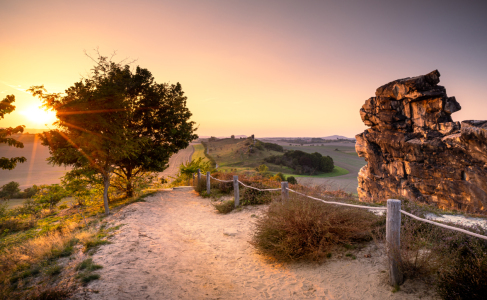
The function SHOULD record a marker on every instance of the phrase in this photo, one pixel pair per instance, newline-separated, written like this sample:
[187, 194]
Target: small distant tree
[279, 177]
[292, 180]
[6, 107]
[262, 169]
[9, 190]
[232, 137]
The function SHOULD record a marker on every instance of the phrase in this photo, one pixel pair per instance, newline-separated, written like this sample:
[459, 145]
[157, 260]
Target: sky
[269, 68]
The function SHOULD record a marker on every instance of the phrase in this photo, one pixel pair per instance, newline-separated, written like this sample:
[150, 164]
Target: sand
[176, 246]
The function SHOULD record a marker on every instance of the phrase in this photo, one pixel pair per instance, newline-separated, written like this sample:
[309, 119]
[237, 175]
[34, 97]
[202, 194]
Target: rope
[221, 180]
[263, 190]
[339, 203]
[445, 226]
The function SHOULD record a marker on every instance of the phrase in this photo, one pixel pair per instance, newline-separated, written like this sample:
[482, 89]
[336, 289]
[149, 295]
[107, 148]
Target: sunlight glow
[39, 116]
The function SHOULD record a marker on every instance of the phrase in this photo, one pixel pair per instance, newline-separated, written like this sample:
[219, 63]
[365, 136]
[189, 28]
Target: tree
[6, 107]
[92, 135]
[8, 191]
[49, 196]
[158, 114]
[117, 122]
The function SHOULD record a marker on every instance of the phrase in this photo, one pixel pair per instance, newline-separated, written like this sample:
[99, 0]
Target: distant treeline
[315, 141]
[269, 146]
[302, 162]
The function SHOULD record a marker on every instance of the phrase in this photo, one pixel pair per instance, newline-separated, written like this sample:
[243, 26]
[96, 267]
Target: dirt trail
[182, 156]
[176, 246]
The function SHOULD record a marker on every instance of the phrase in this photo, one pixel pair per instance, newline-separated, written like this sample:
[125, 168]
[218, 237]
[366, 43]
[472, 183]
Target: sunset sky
[269, 68]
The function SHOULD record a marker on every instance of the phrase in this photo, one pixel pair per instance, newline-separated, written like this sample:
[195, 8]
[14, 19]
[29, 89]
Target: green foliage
[8, 191]
[116, 121]
[186, 170]
[6, 107]
[279, 177]
[88, 265]
[254, 197]
[93, 243]
[27, 193]
[49, 196]
[302, 162]
[262, 169]
[269, 146]
[291, 180]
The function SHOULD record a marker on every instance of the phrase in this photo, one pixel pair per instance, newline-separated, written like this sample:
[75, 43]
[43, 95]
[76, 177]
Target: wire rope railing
[393, 219]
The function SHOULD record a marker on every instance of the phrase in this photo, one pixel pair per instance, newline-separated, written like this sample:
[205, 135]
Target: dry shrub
[306, 229]
[50, 245]
[225, 207]
[452, 261]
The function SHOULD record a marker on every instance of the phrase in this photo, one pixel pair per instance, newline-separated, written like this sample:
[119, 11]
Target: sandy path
[182, 156]
[175, 246]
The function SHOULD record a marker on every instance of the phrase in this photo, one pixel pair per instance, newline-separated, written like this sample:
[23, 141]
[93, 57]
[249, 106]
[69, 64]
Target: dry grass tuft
[306, 229]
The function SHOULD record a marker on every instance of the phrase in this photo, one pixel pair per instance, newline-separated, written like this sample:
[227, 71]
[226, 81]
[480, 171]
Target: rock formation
[414, 149]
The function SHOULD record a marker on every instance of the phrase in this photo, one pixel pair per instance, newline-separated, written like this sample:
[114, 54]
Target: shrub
[302, 162]
[7, 191]
[88, 265]
[279, 177]
[305, 229]
[252, 197]
[54, 270]
[225, 207]
[292, 180]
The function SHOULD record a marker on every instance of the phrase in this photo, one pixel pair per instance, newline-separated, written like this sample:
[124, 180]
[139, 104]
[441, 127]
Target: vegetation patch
[225, 207]
[305, 229]
[302, 162]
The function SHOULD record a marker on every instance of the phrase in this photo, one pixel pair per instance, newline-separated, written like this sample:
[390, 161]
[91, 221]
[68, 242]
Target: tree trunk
[106, 185]
[129, 191]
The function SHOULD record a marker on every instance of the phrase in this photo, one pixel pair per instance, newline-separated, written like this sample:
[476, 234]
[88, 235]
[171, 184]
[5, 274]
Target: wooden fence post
[284, 191]
[208, 182]
[199, 177]
[235, 190]
[393, 239]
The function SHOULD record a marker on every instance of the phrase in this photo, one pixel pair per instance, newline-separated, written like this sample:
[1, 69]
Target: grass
[35, 252]
[232, 155]
[54, 270]
[199, 152]
[88, 265]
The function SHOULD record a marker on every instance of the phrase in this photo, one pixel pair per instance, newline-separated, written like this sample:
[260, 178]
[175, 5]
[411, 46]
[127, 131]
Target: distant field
[228, 155]
[14, 203]
[199, 152]
[337, 171]
[343, 155]
[35, 170]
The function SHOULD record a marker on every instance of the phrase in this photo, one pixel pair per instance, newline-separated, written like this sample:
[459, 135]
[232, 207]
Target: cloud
[13, 86]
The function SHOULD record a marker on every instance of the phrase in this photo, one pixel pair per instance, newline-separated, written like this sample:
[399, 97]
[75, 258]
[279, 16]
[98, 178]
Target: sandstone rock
[414, 149]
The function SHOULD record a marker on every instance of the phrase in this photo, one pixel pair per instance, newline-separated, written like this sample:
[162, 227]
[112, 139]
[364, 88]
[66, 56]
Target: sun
[39, 116]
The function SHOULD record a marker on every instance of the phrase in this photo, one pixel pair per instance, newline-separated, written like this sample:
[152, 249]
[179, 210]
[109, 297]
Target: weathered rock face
[413, 148]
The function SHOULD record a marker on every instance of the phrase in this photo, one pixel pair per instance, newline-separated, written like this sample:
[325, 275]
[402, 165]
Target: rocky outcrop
[414, 149]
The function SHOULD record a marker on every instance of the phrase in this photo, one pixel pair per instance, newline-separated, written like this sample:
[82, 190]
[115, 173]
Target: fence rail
[393, 222]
